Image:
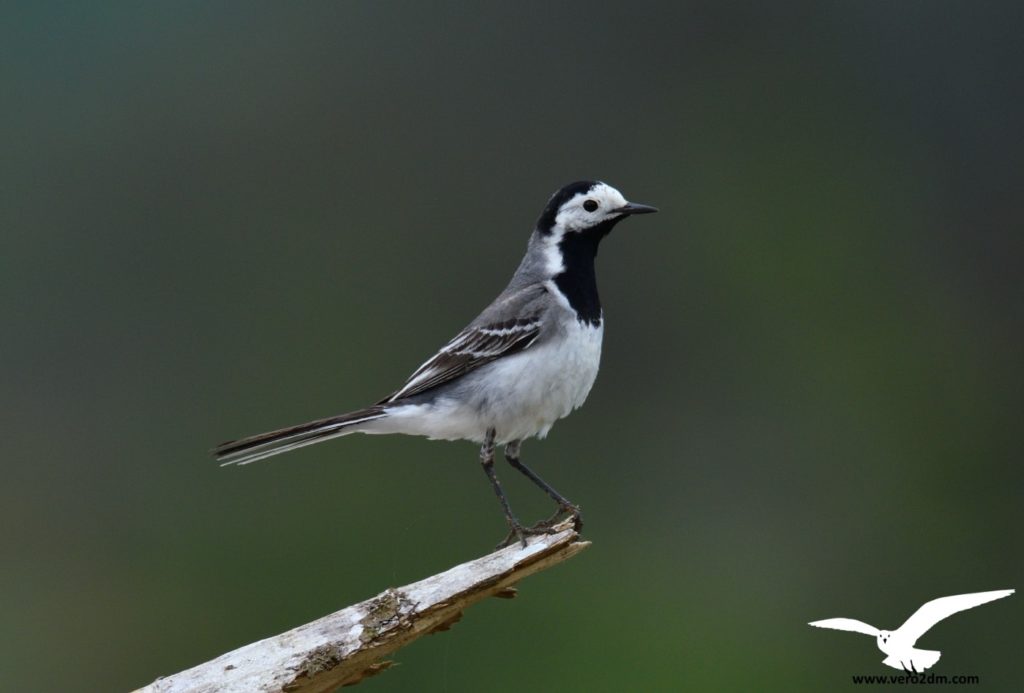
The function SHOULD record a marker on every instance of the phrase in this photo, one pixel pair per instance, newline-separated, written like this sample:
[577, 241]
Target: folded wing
[473, 347]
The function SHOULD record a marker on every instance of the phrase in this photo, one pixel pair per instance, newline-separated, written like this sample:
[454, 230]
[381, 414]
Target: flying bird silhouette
[899, 644]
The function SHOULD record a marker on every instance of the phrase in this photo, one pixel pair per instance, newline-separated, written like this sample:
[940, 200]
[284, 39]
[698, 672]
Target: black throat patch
[578, 281]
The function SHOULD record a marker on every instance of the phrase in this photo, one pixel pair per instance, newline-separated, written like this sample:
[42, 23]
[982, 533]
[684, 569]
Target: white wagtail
[526, 361]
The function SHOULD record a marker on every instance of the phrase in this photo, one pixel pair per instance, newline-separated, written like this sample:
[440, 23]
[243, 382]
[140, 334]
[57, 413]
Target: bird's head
[586, 207]
[883, 637]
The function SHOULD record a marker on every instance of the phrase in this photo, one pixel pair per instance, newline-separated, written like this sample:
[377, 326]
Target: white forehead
[604, 194]
[572, 214]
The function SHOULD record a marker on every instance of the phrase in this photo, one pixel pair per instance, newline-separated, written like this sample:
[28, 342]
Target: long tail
[264, 445]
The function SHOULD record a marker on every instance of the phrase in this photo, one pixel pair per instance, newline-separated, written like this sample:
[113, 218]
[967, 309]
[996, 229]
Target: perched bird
[899, 644]
[526, 361]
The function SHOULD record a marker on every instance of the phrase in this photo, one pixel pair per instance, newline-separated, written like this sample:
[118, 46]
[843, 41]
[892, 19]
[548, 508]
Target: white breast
[521, 396]
[546, 384]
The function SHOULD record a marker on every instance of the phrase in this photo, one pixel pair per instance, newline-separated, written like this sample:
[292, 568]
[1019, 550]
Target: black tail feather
[263, 445]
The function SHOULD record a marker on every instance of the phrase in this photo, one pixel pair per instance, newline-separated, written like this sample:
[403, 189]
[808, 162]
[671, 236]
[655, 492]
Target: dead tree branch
[348, 645]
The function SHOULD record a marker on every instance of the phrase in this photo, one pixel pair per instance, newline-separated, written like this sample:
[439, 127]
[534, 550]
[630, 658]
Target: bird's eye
[590, 205]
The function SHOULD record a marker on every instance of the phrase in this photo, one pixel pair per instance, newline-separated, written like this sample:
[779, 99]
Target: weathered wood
[348, 645]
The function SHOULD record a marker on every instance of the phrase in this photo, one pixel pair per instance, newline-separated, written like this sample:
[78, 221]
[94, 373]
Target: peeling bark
[349, 645]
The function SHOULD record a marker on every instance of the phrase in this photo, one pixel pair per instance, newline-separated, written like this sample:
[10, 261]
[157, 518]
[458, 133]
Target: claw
[563, 511]
[518, 532]
[515, 531]
[567, 510]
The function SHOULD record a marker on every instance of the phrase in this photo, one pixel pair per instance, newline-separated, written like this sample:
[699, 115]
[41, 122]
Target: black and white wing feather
[475, 346]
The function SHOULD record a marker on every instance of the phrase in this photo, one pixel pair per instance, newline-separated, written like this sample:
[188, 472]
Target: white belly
[520, 396]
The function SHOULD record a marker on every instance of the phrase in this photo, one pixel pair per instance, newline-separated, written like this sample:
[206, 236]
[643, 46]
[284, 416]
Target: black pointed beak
[634, 208]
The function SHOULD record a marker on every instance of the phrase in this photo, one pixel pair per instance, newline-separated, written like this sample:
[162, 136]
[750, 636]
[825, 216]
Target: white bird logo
[899, 643]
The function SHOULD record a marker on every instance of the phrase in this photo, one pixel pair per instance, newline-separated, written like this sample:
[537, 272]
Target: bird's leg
[487, 460]
[565, 506]
[516, 530]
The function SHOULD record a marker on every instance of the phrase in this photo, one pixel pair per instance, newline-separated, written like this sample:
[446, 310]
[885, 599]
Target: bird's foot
[564, 510]
[519, 533]
[548, 526]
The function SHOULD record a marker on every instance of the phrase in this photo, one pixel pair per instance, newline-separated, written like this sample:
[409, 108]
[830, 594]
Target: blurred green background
[221, 219]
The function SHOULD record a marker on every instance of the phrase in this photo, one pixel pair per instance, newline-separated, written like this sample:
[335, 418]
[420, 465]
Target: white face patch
[589, 209]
